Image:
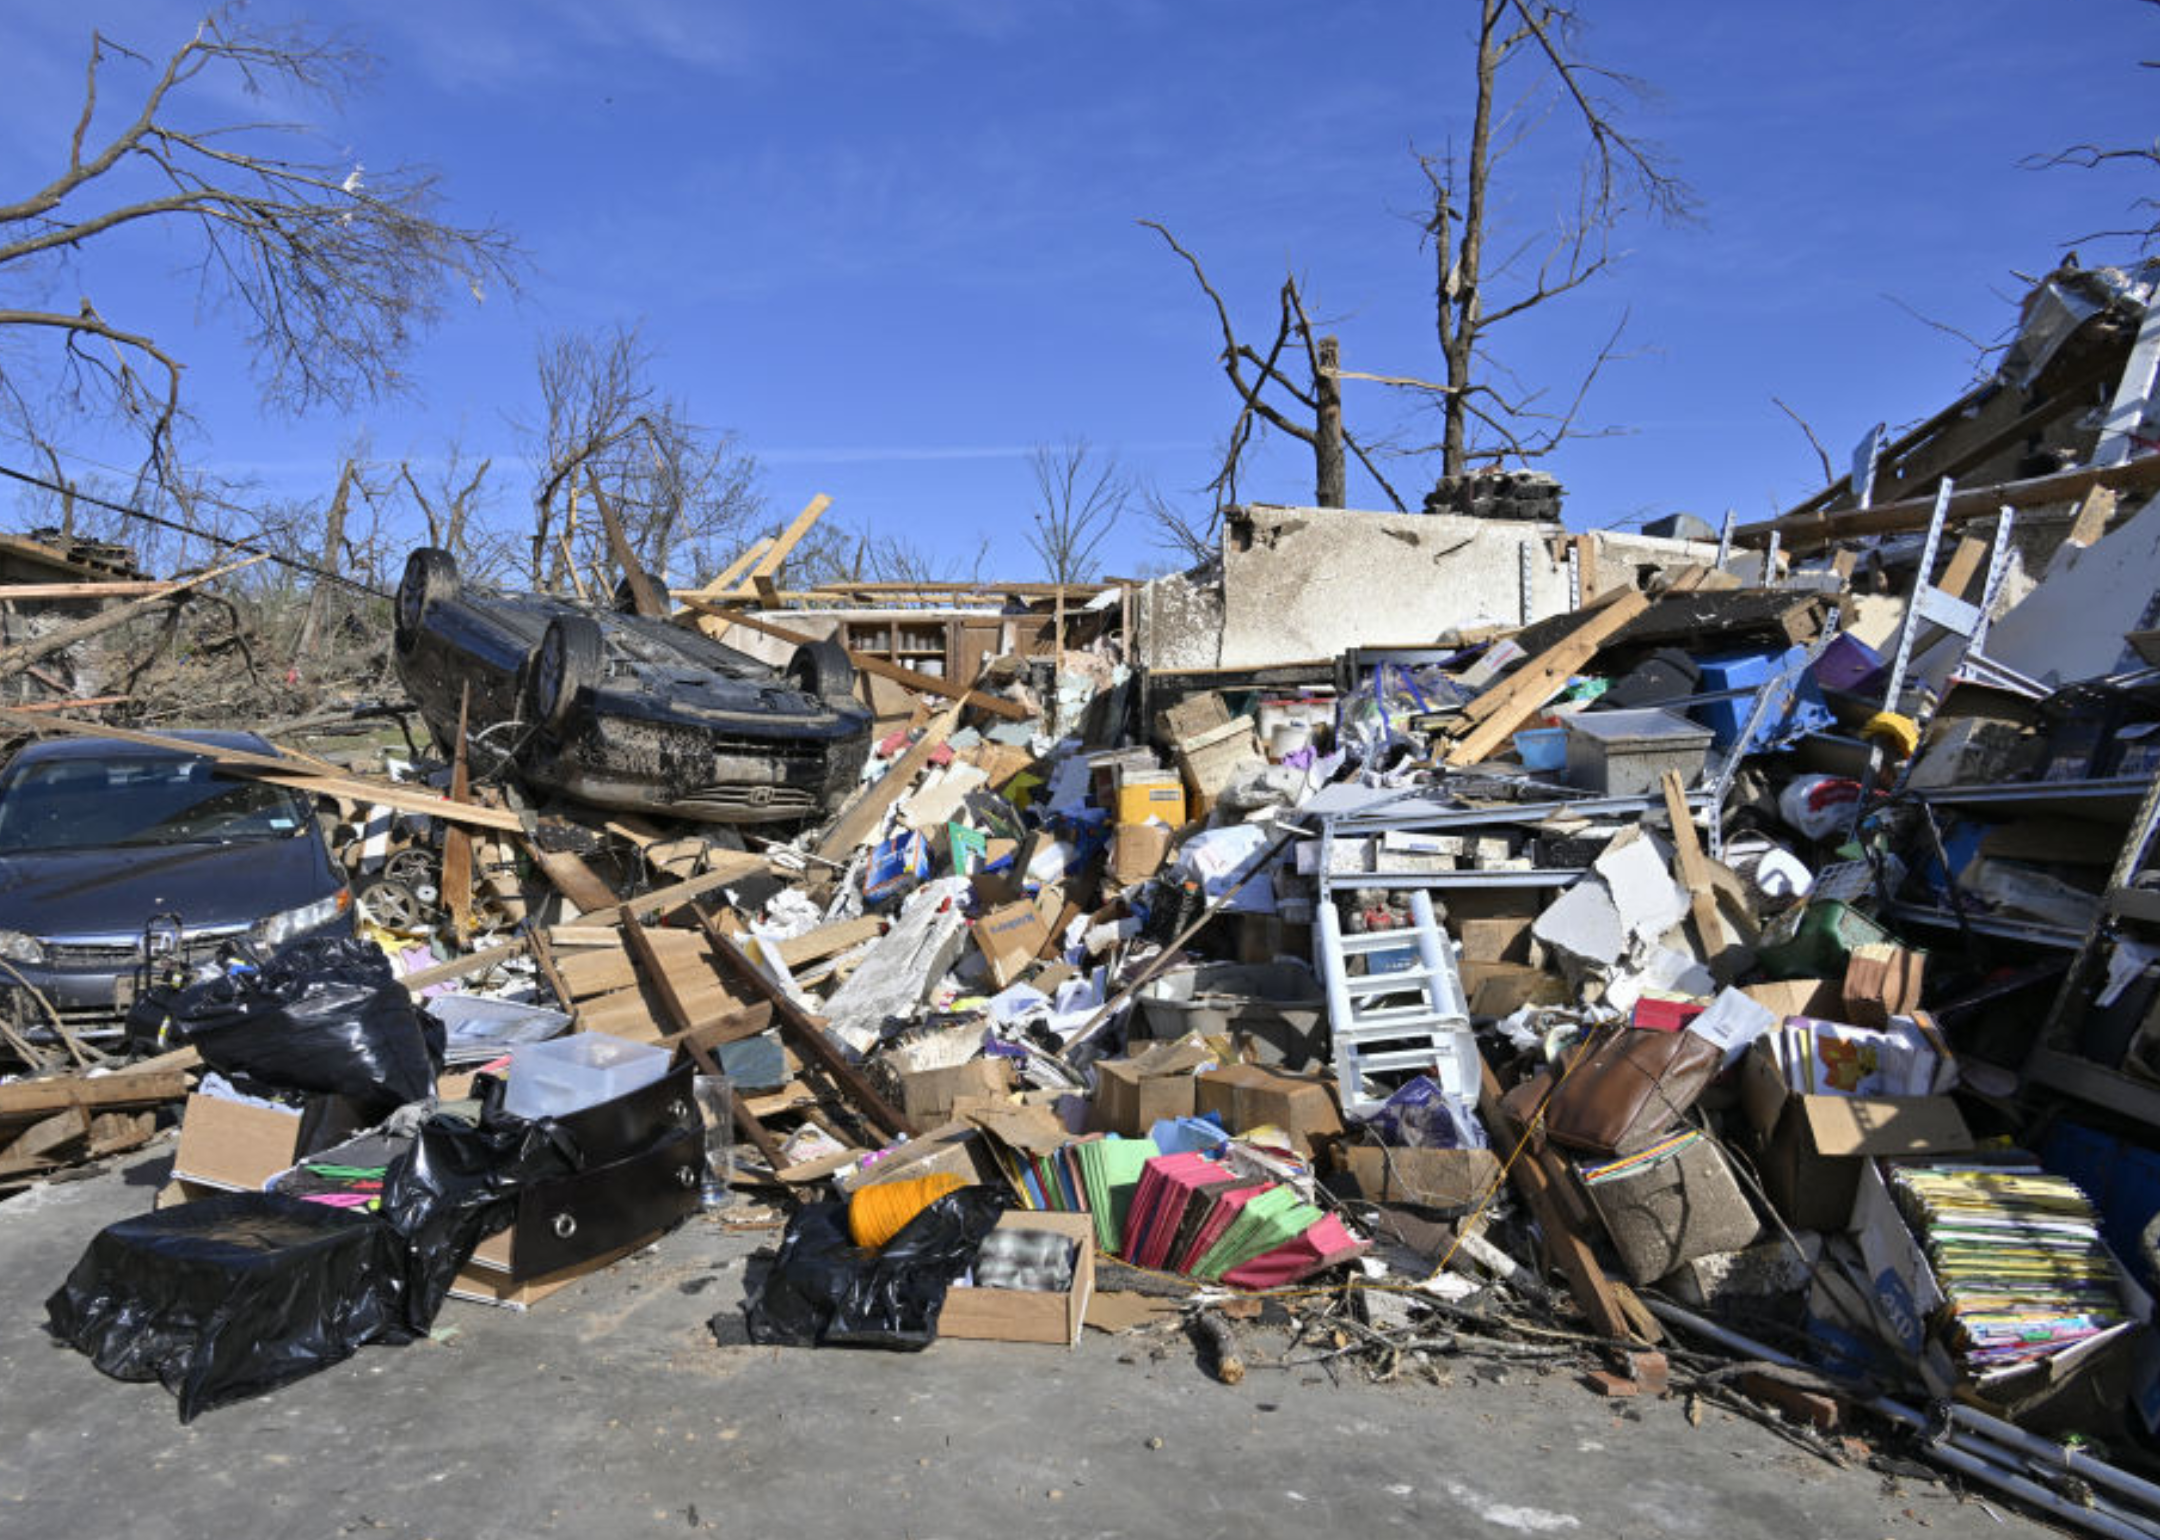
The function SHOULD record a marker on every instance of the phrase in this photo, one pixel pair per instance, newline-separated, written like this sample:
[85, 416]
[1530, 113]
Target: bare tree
[2142, 158]
[453, 501]
[332, 268]
[1080, 496]
[1190, 537]
[687, 495]
[1319, 394]
[1479, 288]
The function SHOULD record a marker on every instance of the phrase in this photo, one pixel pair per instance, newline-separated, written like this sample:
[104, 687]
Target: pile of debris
[1744, 984]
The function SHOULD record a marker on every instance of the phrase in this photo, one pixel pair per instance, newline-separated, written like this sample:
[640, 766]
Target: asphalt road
[611, 1410]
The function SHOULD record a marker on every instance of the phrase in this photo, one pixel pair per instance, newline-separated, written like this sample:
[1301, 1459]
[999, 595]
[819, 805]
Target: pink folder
[1324, 1243]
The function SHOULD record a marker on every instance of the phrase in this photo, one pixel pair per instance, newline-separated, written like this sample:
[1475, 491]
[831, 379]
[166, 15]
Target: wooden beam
[644, 597]
[728, 866]
[828, 940]
[285, 772]
[457, 865]
[571, 877]
[868, 662]
[860, 818]
[1694, 868]
[13, 658]
[1519, 696]
[766, 568]
[462, 967]
[1963, 567]
[1586, 1281]
[806, 1035]
[40, 1098]
[732, 574]
[133, 589]
[1813, 531]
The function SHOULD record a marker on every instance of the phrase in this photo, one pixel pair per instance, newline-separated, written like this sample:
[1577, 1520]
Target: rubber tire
[565, 665]
[822, 669]
[431, 578]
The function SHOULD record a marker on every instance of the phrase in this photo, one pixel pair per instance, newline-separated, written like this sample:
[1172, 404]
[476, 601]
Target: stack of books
[2018, 1256]
[1828, 1058]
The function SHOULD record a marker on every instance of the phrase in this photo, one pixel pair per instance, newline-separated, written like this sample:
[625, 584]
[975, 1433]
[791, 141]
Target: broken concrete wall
[1301, 583]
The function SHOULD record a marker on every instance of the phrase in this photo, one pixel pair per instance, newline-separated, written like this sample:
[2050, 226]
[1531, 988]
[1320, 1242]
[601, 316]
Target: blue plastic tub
[1542, 748]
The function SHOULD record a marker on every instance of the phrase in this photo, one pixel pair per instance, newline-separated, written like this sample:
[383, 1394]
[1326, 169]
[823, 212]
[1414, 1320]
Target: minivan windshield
[86, 804]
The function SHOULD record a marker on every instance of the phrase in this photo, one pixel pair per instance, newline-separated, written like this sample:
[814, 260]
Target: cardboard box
[954, 1147]
[1814, 1148]
[1010, 937]
[1497, 989]
[927, 1095]
[1131, 1095]
[1191, 717]
[1138, 851]
[1020, 1315]
[1450, 1180]
[1151, 794]
[1881, 981]
[1247, 1096]
[1799, 997]
[233, 1146]
[1496, 940]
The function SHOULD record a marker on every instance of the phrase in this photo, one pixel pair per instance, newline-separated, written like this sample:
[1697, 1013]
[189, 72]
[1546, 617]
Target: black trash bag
[824, 1290]
[457, 1186]
[325, 1015]
[231, 1296]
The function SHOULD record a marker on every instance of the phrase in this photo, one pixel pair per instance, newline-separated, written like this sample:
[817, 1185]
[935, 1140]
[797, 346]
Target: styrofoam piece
[1648, 900]
[1583, 923]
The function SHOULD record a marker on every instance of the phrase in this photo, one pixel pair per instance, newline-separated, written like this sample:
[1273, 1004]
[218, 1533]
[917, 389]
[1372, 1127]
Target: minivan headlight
[284, 926]
[17, 947]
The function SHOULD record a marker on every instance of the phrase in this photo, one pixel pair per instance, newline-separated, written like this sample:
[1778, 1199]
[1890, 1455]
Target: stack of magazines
[2018, 1256]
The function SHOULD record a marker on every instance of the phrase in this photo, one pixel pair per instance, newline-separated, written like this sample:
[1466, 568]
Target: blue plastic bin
[1542, 748]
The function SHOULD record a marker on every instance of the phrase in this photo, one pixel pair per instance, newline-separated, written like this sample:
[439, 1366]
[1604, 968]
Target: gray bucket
[1276, 1012]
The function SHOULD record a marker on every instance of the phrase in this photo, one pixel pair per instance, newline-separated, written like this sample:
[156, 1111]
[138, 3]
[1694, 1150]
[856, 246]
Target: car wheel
[431, 578]
[822, 669]
[566, 663]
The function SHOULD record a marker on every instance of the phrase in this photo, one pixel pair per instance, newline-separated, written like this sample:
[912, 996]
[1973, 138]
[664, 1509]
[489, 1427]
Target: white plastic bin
[585, 1069]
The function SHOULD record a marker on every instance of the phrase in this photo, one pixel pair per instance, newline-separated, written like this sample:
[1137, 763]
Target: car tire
[431, 578]
[822, 669]
[564, 666]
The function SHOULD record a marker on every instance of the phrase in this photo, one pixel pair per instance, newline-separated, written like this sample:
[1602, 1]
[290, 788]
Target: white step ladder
[1405, 1013]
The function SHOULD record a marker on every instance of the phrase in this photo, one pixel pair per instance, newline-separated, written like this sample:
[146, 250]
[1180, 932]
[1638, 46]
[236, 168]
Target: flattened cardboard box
[1022, 1315]
[927, 1095]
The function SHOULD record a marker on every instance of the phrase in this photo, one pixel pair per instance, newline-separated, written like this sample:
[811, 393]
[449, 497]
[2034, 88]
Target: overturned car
[627, 711]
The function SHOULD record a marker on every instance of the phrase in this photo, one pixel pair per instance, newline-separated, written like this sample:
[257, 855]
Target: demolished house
[1733, 965]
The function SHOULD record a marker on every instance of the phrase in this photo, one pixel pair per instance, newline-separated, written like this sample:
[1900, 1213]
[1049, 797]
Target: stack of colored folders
[1191, 1214]
[1088, 1176]
[2017, 1254]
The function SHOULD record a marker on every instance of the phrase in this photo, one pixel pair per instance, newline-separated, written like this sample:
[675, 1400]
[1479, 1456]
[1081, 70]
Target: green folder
[1275, 1218]
[1111, 1169]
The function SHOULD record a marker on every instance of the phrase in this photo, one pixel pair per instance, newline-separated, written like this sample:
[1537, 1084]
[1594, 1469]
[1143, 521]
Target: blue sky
[894, 245]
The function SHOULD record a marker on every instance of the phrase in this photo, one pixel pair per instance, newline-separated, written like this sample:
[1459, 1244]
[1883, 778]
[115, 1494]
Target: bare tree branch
[1080, 496]
[333, 271]
[1828, 474]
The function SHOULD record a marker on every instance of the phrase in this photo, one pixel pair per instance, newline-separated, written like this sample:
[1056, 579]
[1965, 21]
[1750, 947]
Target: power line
[163, 523]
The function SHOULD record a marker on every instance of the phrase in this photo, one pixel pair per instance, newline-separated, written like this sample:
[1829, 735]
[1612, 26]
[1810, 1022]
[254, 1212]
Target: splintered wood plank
[1694, 869]
[829, 940]
[57, 1093]
[1564, 1243]
[1537, 680]
[766, 568]
[457, 860]
[861, 817]
[871, 663]
[572, 878]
